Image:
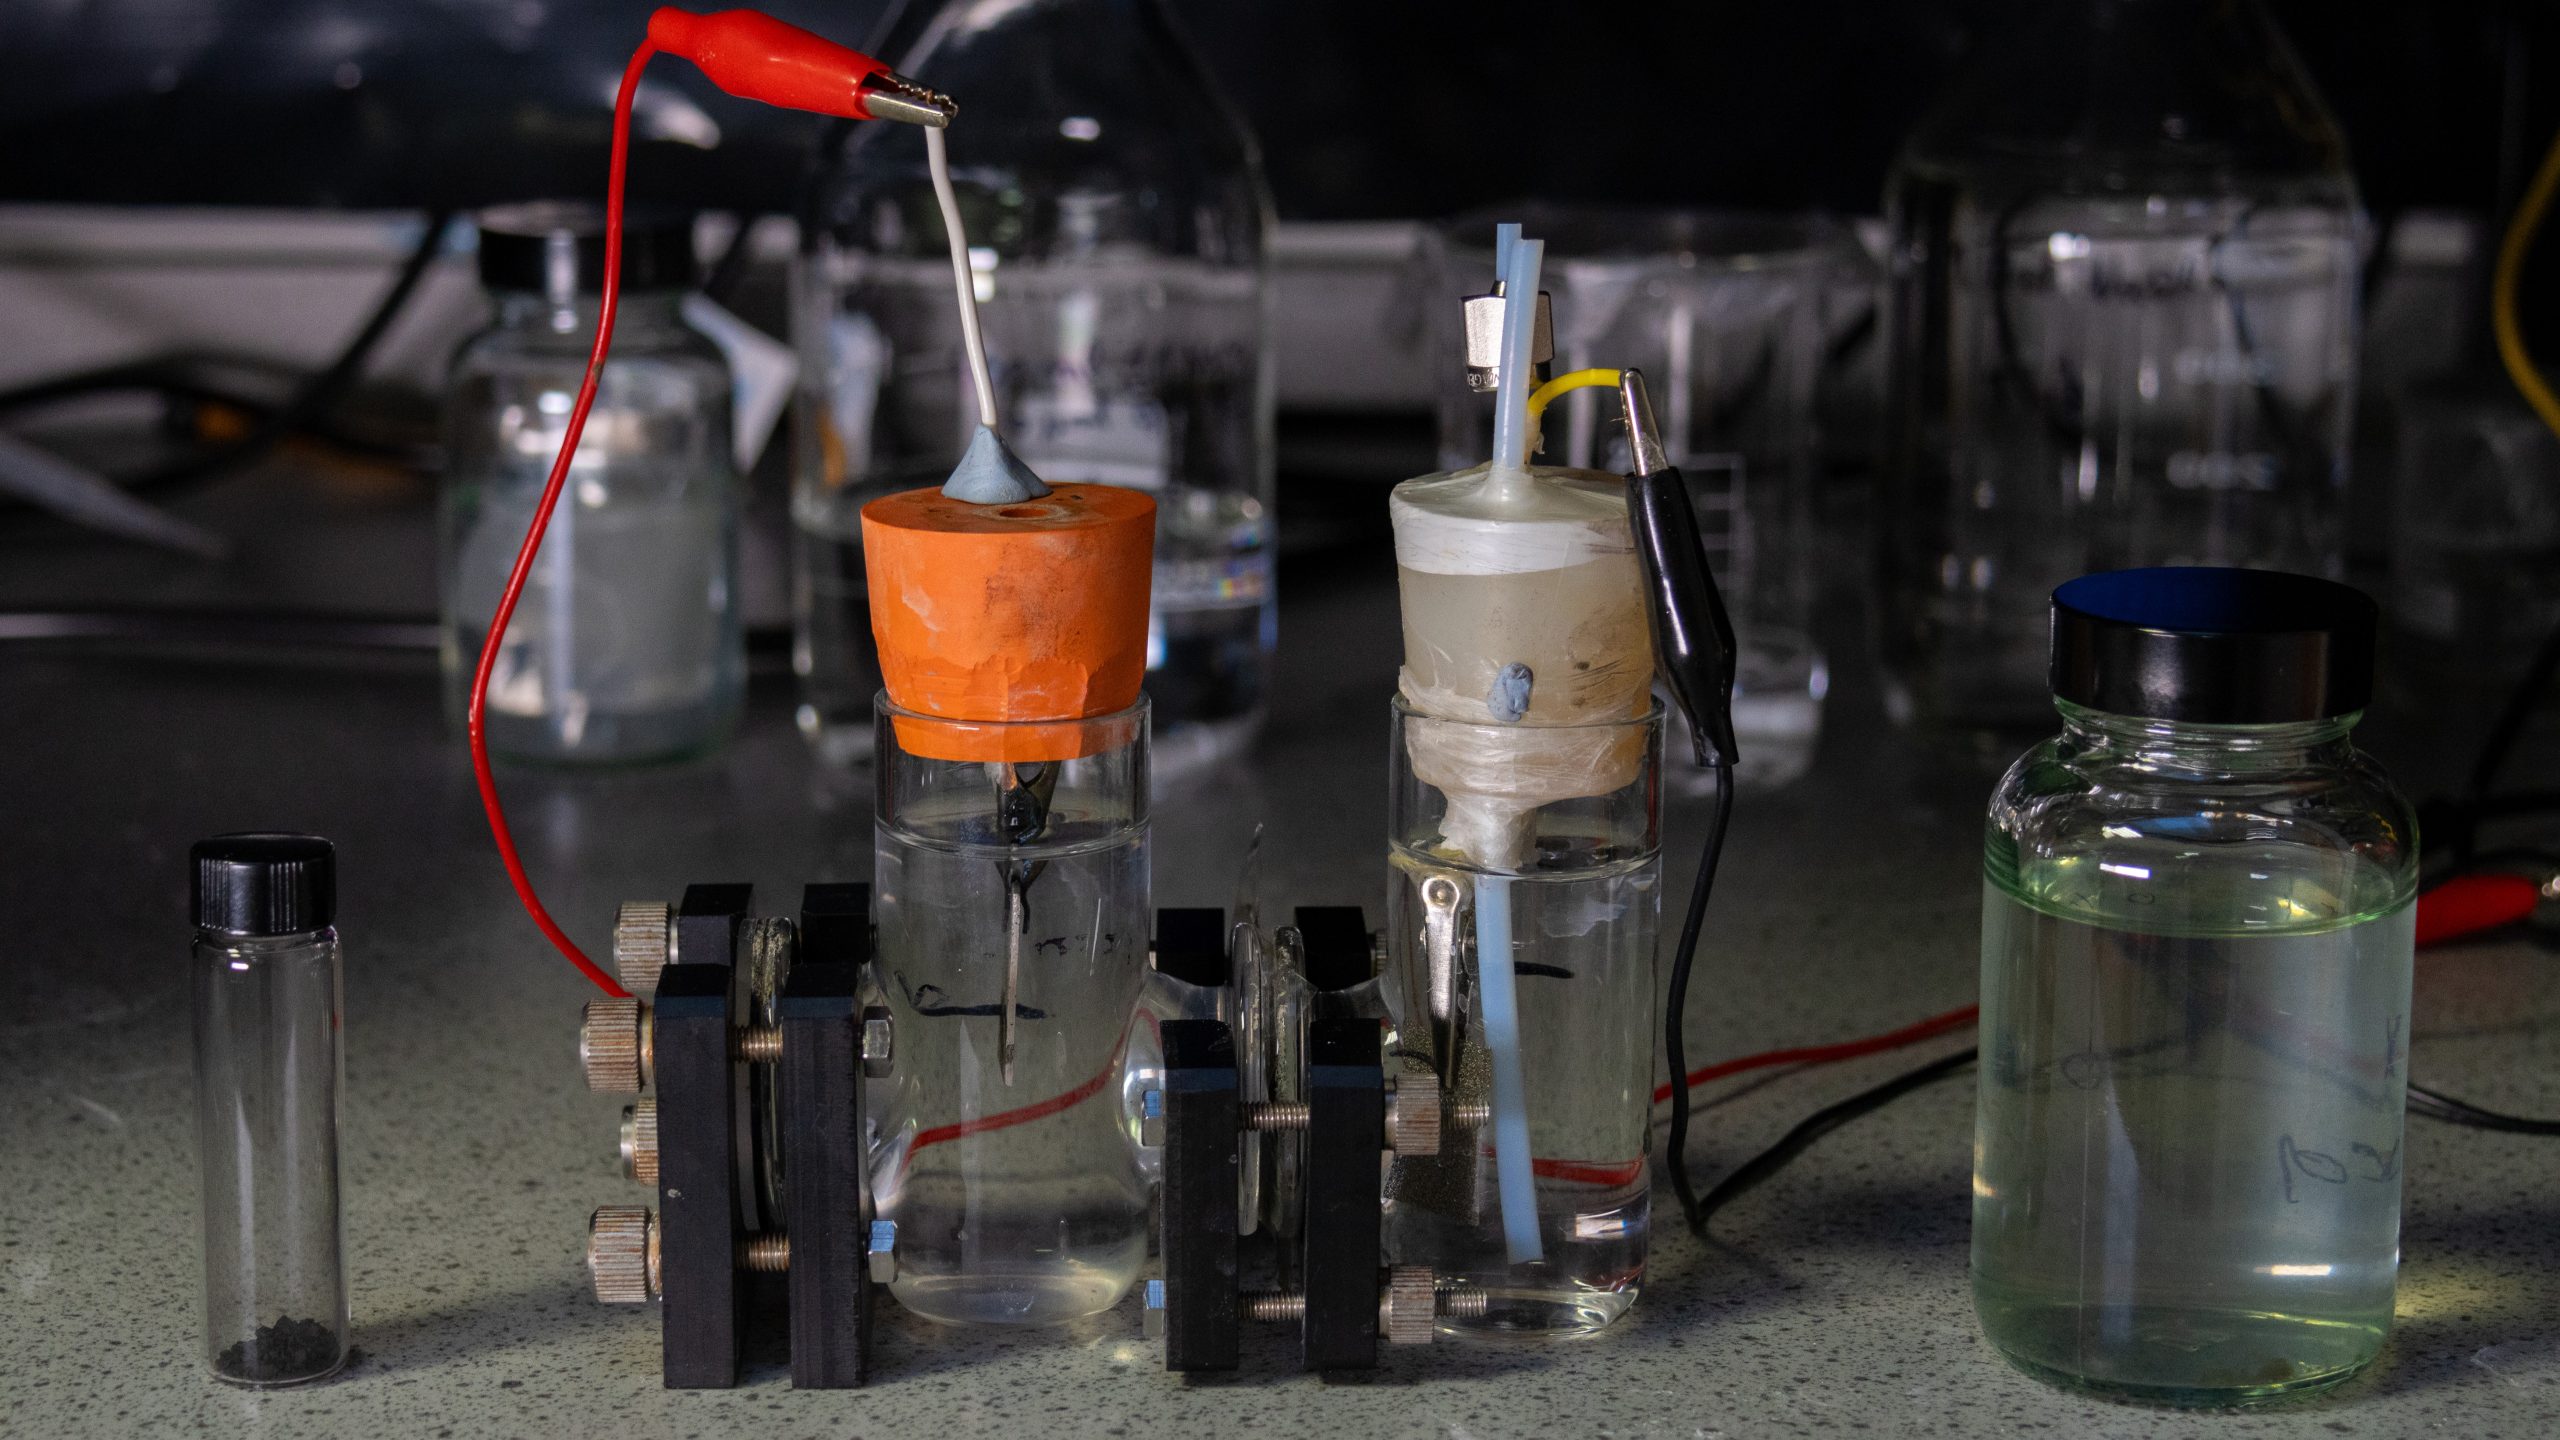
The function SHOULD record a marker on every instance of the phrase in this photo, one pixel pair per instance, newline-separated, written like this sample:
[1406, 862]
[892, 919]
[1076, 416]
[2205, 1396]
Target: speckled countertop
[1833, 1300]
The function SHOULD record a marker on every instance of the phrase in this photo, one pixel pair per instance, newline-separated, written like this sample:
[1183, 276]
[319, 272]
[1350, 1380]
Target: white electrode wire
[938, 160]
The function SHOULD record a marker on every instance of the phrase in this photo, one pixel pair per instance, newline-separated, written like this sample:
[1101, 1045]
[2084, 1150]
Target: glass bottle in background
[2198, 933]
[2123, 330]
[1725, 313]
[1117, 221]
[2475, 546]
[626, 644]
[269, 1073]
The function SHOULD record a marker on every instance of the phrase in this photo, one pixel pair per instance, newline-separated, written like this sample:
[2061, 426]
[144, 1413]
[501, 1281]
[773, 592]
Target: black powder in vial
[289, 1349]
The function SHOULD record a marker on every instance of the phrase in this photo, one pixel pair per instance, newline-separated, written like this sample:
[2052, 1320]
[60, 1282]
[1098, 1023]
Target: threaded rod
[1278, 1305]
[1461, 1304]
[759, 1043]
[769, 1254]
[1275, 1115]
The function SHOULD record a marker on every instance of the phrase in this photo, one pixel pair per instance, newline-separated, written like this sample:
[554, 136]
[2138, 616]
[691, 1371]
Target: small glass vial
[2197, 940]
[1009, 1159]
[625, 645]
[269, 1072]
[1575, 907]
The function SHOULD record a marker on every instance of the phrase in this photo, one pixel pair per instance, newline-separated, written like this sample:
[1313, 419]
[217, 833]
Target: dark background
[1365, 108]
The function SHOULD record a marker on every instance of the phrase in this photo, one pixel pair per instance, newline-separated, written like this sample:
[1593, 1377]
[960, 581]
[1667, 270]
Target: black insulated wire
[312, 403]
[1675, 1050]
[1755, 1171]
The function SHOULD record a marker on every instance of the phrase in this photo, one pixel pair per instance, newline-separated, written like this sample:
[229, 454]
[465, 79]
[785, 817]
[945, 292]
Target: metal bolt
[1153, 1325]
[884, 1251]
[761, 1044]
[766, 1254]
[614, 1045]
[1151, 1118]
[622, 1254]
[640, 1141]
[1470, 1114]
[1280, 1306]
[1456, 1304]
[879, 1041]
[1408, 1301]
[643, 944]
[1274, 1115]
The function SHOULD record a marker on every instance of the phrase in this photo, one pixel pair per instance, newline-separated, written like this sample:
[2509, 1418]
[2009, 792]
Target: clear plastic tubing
[269, 1072]
[1017, 1201]
[1582, 902]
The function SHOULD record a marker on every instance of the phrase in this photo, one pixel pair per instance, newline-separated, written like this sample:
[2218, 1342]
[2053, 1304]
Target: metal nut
[622, 1254]
[1151, 1119]
[1153, 1324]
[1413, 1114]
[1406, 1308]
[1482, 323]
[879, 1042]
[643, 944]
[884, 1251]
[640, 1141]
[613, 1045]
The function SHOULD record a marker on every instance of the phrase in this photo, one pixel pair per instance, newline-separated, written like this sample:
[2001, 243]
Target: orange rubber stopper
[1028, 612]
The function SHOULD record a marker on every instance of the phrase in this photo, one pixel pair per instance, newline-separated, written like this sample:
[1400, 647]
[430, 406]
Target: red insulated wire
[1038, 1110]
[2455, 908]
[542, 521]
[2434, 923]
[1911, 1034]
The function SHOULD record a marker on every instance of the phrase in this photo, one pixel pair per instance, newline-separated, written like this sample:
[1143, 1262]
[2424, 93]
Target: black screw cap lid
[550, 246]
[2213, 646]
[265, 883]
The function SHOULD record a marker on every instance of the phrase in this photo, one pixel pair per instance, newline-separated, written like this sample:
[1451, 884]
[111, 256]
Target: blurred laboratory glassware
[626, 644]
[2123, 327]
[1726, 316]
[2475, 543]
[1117, 225]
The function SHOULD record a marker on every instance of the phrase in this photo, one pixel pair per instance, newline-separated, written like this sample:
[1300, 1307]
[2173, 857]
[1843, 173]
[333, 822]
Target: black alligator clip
[1692, 634]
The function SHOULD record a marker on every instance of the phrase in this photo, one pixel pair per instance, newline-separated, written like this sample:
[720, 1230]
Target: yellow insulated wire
[1544, 395]
[2502, 291]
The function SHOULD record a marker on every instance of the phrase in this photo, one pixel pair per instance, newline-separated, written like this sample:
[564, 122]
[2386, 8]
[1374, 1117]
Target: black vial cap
[265, 883]
[556, 248]
[2213, 646]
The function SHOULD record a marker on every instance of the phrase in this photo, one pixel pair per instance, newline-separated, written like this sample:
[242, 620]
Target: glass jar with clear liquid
[2122, 332]
[1117, 222]
[2197, 941]
[1006, 1154]
[626, 643]
[1580, 909]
